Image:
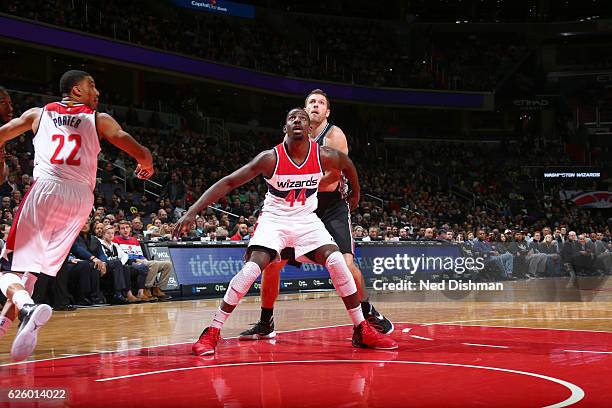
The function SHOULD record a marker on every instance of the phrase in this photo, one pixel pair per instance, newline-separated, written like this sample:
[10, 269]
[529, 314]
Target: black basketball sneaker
[260, 331]
[33, 317]
[379, 322]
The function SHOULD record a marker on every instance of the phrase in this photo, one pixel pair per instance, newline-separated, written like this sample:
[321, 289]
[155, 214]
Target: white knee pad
[240, 284]
[340, 274]
[7, 280]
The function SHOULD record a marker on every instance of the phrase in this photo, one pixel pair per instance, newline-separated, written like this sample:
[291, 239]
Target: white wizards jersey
[292, 189]
[66, 144]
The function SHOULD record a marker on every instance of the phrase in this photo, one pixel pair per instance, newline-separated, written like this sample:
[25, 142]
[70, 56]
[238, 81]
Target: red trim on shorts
[10, 240]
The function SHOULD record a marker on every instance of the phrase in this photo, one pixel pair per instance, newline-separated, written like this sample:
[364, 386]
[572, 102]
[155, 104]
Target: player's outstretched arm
[263, 163]
[332, 159]
[109, 129]
[17, 126]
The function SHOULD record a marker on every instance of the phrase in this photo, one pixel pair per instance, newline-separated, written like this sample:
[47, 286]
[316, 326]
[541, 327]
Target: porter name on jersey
[67, 120]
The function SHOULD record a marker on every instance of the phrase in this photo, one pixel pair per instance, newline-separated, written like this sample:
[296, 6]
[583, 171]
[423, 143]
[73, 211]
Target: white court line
[483, 345]
[419, 337]
[588, 351]
[457, 323]
[148, 347]
[576, 392]
[47, 359]
[341, 325]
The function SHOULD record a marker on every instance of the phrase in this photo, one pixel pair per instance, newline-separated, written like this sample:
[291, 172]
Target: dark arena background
[481, 134]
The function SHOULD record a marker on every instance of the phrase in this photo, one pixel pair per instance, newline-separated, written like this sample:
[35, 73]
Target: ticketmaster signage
[228, 8]
[211, 264]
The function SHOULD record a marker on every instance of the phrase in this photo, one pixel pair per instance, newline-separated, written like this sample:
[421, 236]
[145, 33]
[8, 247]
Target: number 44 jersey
[67, 143]
[292, 189]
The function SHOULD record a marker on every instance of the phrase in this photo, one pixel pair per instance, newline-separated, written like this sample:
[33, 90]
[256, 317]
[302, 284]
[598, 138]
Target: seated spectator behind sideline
[242, 233]
[131, 246]
[89, 283]
[116, 258]
[373, 235]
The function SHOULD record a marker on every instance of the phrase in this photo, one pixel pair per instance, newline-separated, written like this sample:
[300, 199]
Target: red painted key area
[435, 366]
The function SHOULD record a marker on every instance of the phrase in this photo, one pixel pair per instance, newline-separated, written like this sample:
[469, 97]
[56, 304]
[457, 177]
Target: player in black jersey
[335, 214]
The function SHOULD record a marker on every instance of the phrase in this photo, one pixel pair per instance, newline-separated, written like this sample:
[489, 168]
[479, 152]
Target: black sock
[266, 314]
[366, 307]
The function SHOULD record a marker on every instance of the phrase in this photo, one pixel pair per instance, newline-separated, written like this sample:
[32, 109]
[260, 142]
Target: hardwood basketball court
[455, 350]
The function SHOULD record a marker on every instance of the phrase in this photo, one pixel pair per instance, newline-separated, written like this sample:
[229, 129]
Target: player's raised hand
[144, 173]
[183, 225]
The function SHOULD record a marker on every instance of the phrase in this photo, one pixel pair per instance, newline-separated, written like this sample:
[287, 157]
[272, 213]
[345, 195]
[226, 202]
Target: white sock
[219, 318]
[356, 315]
[5, 324]
[20, 298]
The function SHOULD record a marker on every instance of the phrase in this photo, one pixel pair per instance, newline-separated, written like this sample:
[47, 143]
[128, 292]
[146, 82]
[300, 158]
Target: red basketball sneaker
[207, 342]
[365, 336]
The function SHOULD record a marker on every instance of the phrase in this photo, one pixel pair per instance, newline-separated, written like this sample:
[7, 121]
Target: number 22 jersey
[66, 144]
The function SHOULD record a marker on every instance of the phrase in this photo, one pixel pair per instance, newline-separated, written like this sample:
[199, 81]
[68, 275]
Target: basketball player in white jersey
[66, 143]
[334, 212]
[8, 313]
[292, 171]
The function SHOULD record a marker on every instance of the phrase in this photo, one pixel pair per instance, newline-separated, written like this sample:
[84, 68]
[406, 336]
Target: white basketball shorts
[305, 234]
[47, 223]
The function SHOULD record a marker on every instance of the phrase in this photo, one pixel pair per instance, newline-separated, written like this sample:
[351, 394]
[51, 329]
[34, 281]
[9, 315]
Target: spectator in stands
[550, 249]
[162, 214]
[131, 246]
[146, 206]
[88, 268]
[358, 234]
[221, 234]
[568, 252]
[174, 188]
[117, 260]
[9, 186]
[137, 228]
[585, 256]
[242, 233]
[100, 213]
[4, 231]
[6, 203]
[109, 174]
[403, 235]
[373, 235]
[16, 198]
[152, 233]
[428, 235]
[25, 182]
[526, 255]
[603, 255]
[535, 255]
[115, 275]
[482, 248]
[200, 229]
